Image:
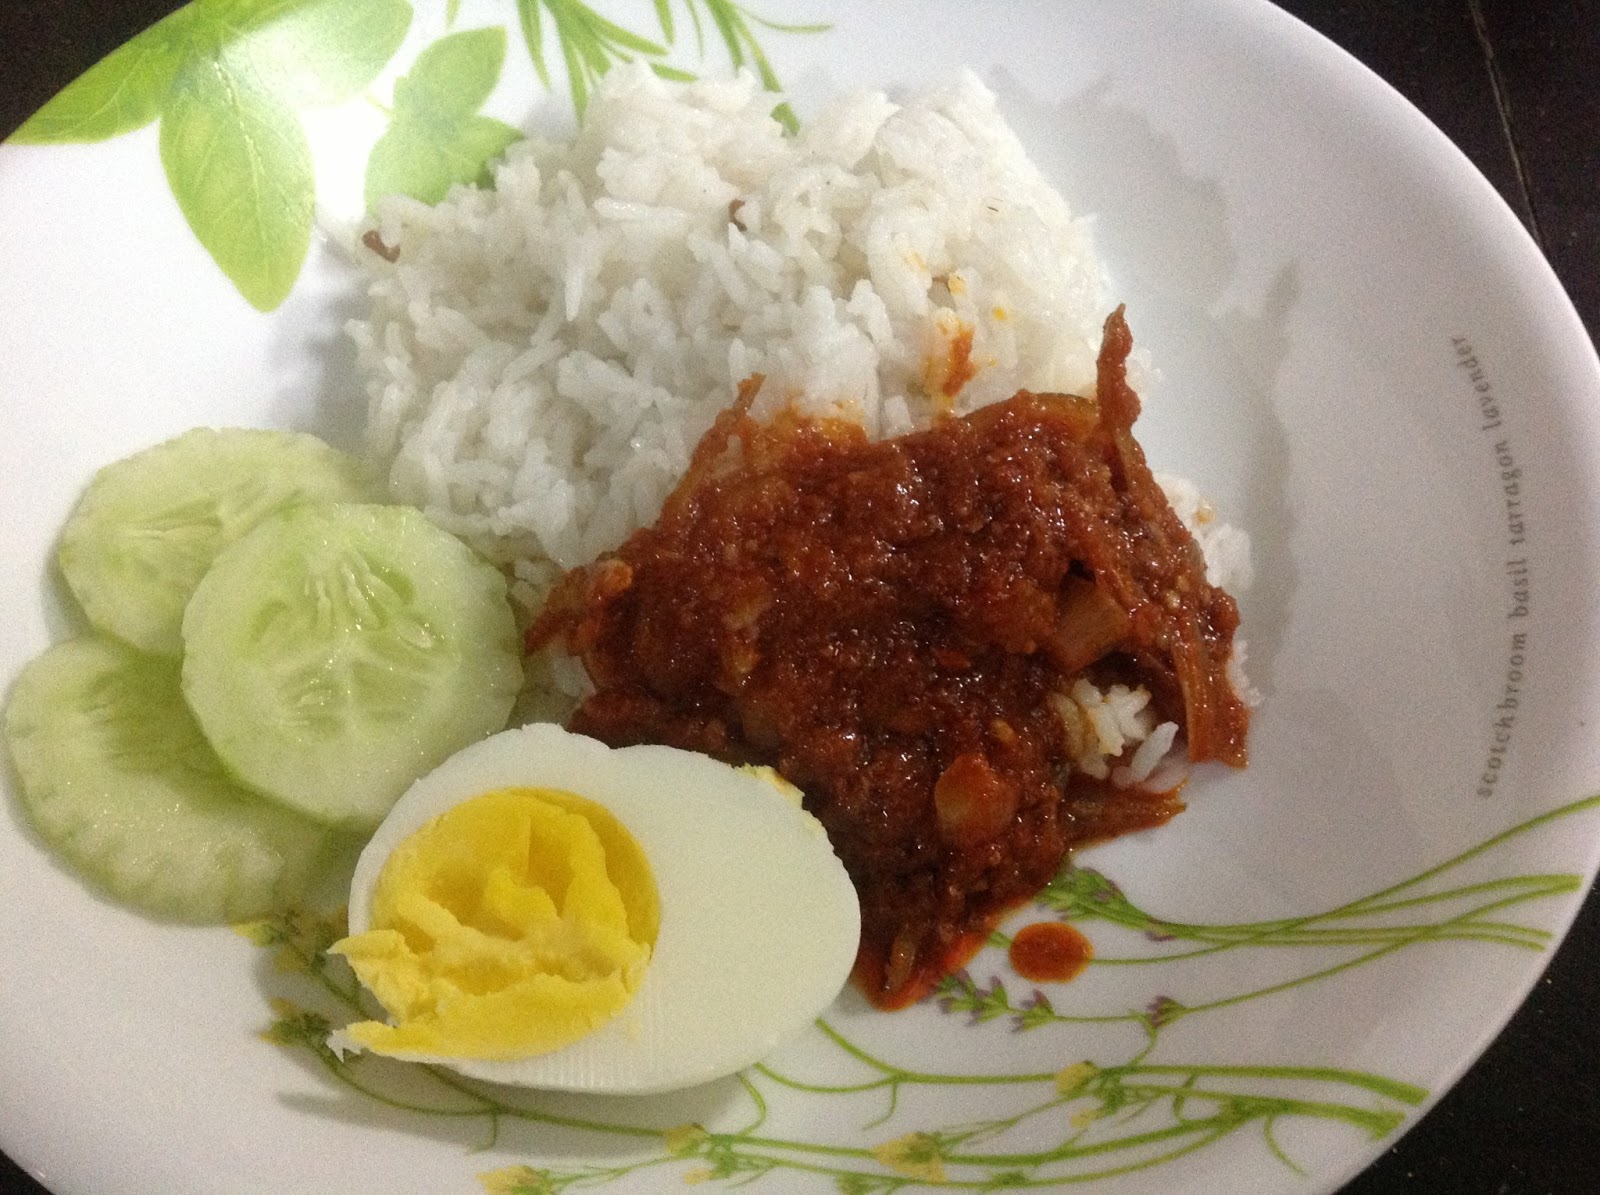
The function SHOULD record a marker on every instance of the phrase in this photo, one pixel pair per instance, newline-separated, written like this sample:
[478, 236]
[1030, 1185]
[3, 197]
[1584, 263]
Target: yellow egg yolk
[511, 925]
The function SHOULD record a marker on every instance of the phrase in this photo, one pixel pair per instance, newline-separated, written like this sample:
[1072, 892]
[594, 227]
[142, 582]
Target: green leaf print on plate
[225, 78]
[317, 53]
[238, 164]
[437, 137]
[122, 92]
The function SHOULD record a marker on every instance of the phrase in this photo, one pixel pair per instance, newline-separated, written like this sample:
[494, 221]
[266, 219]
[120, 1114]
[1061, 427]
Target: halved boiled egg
[548, 911]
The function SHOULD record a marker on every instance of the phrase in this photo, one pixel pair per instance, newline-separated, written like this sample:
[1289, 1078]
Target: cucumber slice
[148, 527]
[336, 653]
[117, 777]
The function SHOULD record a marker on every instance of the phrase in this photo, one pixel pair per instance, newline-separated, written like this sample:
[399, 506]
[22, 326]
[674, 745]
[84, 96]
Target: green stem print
[591, 44]
[733, 24]
[1081, 1121]
[226, 79]
[1361, 931]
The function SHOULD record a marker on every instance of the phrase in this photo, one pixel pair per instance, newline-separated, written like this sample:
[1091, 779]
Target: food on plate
[330, 652]
[537, 892]
[541, 358]
[118, 779]
[149, 525]
[919, 566]
[335, 653]
[545, 910]
[899, 628]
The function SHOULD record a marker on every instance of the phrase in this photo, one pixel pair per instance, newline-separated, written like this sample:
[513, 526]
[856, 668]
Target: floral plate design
[1363, 360]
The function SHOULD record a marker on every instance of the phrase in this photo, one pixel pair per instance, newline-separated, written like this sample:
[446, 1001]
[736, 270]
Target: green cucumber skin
[117, 778]
[336, 653]
[148, 526]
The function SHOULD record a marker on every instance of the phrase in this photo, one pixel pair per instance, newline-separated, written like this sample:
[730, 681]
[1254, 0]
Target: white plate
[1365, 362]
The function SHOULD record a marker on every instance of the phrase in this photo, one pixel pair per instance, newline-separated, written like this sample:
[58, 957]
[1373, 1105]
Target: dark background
[1515, 84]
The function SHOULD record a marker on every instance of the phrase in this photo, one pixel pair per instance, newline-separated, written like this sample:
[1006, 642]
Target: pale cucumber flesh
[148, 526]
[335, 653]
[117, 777]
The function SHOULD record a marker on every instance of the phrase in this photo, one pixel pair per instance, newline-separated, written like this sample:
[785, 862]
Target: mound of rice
[541, 358]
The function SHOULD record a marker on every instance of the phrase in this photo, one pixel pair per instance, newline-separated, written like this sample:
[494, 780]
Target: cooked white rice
[542, 357]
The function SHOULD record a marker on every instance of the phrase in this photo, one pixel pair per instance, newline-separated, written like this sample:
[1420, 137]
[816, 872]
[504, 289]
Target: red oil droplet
[1049, 952]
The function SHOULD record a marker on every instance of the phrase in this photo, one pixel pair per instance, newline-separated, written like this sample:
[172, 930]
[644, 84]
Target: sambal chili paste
[886, 623]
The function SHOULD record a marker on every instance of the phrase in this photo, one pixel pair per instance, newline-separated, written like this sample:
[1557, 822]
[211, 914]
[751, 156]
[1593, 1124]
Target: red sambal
[891, 626]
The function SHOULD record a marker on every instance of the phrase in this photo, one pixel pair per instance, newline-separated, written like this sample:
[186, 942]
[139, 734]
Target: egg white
[759, 922]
